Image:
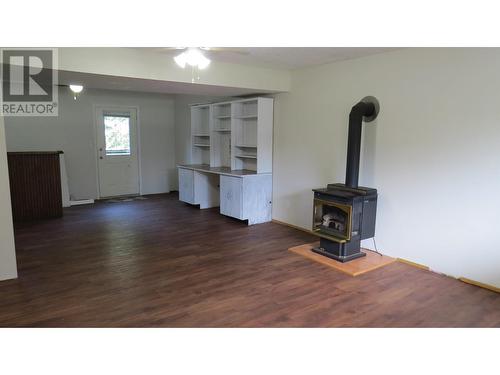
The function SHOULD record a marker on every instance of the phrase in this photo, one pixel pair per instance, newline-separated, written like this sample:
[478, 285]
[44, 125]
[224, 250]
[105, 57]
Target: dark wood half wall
[35, 185]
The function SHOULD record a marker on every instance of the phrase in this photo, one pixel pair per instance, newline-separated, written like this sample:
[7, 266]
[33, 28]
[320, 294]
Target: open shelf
[246, 109]
[247, 117]
[200, 131]
[200, 120]
[220, 155]
[245, 123]
[222, 110]
[222, 124]
[201, 140]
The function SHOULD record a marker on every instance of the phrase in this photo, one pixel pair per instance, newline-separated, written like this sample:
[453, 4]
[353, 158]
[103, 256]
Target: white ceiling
[284, 57]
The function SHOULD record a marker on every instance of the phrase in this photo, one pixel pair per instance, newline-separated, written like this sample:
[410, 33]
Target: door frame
[99, 108]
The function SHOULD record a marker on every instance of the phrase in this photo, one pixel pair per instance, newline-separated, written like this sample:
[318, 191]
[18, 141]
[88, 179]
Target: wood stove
[344, 214]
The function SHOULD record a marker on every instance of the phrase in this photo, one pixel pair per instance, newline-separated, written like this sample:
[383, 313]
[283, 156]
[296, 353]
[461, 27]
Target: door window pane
[117, 135]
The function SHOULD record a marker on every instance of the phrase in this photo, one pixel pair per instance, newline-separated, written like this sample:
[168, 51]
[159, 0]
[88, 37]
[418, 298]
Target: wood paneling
[163, 263]
[35, 185]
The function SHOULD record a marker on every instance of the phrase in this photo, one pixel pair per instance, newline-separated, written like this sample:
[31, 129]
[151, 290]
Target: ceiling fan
[196, 56]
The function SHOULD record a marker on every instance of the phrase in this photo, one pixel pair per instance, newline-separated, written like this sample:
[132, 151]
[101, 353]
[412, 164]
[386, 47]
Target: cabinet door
[186, 185]
[230, 196]
[257, 195]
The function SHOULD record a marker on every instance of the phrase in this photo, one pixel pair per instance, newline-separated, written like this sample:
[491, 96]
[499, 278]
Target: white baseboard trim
[81, 201]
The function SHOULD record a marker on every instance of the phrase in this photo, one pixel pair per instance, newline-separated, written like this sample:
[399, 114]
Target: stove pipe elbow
[366, 110]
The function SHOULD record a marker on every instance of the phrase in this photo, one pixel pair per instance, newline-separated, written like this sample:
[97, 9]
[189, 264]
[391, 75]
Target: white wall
[8, 267]
[433, 153]
[73, 132]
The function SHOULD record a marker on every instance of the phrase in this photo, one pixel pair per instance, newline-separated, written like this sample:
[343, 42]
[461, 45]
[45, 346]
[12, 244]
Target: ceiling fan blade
[225, 49]
[170, 49]
[205, 49]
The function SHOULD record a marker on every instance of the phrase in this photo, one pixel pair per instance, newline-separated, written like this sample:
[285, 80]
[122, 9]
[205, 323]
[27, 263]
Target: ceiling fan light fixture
[192, 57]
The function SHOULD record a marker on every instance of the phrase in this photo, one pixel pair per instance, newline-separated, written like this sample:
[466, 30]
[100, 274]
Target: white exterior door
[117, 152]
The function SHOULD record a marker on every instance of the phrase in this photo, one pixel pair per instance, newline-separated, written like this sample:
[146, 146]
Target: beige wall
[433, 153]
[8, 267]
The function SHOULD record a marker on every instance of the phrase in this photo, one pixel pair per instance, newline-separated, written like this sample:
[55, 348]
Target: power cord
[375, 245]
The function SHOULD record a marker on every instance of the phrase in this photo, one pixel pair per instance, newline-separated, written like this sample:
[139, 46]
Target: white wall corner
[8, 265]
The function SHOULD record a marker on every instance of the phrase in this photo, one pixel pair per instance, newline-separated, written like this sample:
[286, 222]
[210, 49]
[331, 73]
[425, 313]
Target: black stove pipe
[367, 110]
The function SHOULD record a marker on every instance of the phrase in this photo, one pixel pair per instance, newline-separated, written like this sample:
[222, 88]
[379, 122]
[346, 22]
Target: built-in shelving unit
[231, 145]
[252, 124]
[235, 134]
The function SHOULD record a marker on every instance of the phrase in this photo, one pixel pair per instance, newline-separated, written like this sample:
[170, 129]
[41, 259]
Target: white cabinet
[230, 196]
[257, 191]
[246, 198]
[198, 188]
[186, 185]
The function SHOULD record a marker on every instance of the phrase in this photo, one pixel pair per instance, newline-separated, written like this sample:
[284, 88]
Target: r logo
[27, 76]
[29, 82]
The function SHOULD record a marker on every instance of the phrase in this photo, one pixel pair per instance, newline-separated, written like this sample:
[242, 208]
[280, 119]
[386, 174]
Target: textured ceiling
[285, 57]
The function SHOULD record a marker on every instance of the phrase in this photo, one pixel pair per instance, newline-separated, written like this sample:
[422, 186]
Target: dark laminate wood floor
[162, 263]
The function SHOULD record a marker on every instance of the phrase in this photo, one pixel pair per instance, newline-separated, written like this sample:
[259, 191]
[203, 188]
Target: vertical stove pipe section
[367, 109]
